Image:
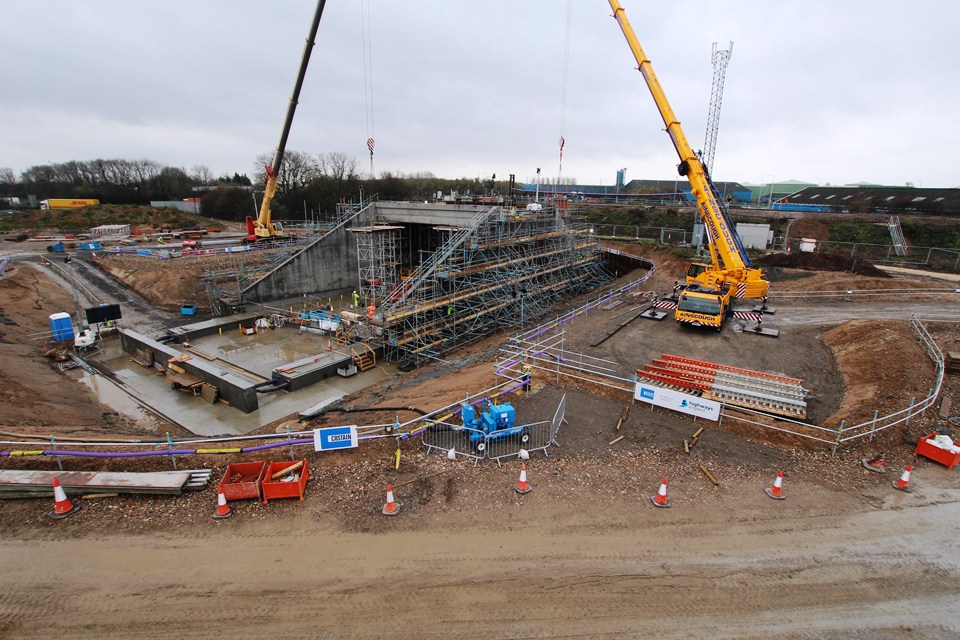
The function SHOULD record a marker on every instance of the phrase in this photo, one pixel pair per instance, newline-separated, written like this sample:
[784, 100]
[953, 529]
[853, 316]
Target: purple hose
[130, 454]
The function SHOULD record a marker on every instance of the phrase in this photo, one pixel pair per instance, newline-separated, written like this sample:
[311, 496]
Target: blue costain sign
[333, 438]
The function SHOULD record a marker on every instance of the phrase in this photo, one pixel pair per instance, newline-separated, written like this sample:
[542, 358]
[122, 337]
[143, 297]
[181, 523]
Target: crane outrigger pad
[760, 308]
[654, 314]
[754, 327]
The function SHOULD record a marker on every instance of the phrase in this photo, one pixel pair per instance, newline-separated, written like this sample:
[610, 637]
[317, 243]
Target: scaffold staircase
[896, 235]
[363, 361]
[427, 269]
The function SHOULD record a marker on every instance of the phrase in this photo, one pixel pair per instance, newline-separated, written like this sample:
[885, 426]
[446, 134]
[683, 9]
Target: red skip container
[279, 489]
[241, 481]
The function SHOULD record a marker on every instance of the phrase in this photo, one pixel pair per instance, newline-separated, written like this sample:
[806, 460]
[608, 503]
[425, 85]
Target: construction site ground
[584, 555]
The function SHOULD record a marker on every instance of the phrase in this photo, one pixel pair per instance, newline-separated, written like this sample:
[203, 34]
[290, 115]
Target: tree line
[311, 182]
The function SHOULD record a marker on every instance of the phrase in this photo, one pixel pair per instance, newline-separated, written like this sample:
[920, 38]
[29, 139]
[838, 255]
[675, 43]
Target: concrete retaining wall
[330, 263]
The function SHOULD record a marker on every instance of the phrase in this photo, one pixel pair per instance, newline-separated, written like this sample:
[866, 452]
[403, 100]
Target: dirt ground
[585, 555]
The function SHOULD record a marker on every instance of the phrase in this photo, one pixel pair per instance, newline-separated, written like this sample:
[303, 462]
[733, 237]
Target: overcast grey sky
[823, 91]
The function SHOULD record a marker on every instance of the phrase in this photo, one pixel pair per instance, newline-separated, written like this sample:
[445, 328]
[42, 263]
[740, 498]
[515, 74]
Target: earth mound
[822, 262]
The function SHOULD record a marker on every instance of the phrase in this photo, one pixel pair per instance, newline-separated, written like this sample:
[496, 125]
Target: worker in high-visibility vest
[371, 310]
[356, 300]
[526, 374]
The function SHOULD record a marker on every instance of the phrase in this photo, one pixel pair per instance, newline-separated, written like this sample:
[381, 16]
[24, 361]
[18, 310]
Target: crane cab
[699, 306]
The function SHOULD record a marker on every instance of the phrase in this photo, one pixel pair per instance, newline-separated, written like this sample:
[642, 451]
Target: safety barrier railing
[444, 436]
[529, 437]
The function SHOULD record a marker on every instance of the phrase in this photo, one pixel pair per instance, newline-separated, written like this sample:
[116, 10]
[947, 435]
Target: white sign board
[677, 401]
[333, 438]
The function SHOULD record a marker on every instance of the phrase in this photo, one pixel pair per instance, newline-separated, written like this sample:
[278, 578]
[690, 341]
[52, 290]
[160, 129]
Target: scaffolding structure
[378, 259]
[223, 282]
[501, 270]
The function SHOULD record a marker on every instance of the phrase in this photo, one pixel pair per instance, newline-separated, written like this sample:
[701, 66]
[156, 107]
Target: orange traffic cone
[874, 464]
[223, 509]
[523, 487]
[903, 484]
[62, 507]
[390, 508]
[776, 491]
[660, 500]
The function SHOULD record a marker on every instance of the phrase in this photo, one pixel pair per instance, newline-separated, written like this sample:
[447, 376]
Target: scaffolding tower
[501, 270]
[720, 60]
[378, 260]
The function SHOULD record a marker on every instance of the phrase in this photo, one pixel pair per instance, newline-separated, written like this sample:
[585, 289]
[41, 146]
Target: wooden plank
[710, 477]
[20, 479]
[208, 392]
[185, 379]
[945, 405]
[616, 440]
[286, 471]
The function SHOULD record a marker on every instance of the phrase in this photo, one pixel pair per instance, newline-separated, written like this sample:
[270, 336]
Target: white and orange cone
[776, 491]
[874, 464]
[223, 509]
[523, 487]
[62, 507]
[390, 508]
[660, 500]
[903, 484]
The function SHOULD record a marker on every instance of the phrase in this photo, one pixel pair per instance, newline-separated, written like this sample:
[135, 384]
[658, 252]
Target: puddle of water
[112, 396]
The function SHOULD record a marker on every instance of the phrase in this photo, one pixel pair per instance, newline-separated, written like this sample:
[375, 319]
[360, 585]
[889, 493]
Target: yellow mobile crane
[263, 228]
[706, 298]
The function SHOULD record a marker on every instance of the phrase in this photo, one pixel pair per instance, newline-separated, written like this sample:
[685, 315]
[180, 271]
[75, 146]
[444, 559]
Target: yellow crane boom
[731, 266]
[263, 227]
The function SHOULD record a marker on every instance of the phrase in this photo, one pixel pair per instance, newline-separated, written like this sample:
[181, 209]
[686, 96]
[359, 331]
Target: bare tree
[201, 174]
[7, 176]
[340, 167]
[296, 171]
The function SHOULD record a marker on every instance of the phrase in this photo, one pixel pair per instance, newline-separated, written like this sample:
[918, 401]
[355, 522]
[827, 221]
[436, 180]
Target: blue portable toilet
[62, 326]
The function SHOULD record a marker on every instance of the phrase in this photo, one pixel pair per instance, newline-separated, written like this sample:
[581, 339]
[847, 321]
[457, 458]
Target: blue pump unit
[493, 422]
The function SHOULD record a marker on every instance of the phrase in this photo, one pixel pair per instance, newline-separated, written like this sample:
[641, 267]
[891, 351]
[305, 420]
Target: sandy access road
[822, 564]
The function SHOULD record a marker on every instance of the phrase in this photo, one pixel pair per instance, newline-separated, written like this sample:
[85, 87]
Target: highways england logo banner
[682, 402]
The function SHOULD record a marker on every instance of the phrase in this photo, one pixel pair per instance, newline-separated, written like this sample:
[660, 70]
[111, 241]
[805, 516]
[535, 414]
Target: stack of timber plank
[16, 483]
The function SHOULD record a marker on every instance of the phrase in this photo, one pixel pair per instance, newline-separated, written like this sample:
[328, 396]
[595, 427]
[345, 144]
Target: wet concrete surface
[264, 351]
[258, 354]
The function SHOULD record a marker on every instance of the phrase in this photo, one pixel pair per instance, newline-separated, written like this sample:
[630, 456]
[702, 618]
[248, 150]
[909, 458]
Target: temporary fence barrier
[531, 437]
[445, 436]
[465, 441]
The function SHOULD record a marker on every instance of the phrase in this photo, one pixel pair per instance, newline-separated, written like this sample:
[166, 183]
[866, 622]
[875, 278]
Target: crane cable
[563, 90]
[368, 76]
